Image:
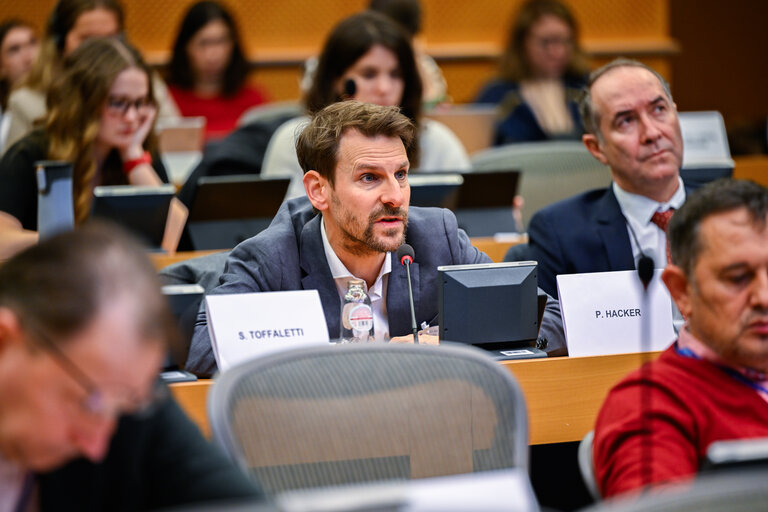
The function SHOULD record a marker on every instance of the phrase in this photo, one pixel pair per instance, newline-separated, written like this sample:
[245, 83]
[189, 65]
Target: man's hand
[424, 339]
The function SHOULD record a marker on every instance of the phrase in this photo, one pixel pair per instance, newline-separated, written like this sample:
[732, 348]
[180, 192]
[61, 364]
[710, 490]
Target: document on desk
[603, 313]
[245, 325]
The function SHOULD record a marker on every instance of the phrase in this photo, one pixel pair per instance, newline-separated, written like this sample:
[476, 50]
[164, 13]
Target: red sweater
[221, 113]
[693, 404]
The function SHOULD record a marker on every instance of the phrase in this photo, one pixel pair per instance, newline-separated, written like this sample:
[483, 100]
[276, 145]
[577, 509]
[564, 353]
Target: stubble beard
[368, 243]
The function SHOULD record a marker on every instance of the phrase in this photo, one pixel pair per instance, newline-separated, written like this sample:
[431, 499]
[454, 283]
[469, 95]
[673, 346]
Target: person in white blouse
[369, 58]
[18, 50]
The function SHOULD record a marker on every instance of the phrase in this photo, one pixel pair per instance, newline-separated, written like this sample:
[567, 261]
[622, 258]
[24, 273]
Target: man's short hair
[589, 116]
[318, 145]
[59, 286]
[719, 196]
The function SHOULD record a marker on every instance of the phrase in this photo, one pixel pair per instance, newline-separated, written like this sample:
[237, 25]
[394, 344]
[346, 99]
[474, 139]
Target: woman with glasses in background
[541, 75]
[70, 23]
[100, 118]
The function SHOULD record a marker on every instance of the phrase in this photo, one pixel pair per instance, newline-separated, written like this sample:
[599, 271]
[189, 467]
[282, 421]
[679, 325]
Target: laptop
[227, 210]
[141, 210]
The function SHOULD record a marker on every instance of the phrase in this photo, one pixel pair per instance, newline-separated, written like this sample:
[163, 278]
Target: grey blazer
[289, 255]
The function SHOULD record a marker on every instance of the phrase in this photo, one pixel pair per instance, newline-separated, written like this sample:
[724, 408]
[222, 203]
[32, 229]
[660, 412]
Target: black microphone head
[645, 267]
[350, 88]
[405, 252]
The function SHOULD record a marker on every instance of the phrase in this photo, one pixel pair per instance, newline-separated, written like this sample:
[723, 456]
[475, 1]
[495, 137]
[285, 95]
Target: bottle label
[361, 318]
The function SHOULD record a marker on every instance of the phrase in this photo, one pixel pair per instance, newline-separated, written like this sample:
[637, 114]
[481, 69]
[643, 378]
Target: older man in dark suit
[633, 128]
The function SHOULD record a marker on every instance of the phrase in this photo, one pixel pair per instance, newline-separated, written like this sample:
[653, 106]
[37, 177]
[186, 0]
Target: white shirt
[377, 293]
[12, 479]
[638, 211]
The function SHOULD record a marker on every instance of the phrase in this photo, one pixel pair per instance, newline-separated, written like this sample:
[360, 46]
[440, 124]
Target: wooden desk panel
[193, 398]
[563, 394]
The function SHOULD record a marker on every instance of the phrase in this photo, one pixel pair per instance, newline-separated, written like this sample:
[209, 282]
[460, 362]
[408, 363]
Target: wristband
[130, 165]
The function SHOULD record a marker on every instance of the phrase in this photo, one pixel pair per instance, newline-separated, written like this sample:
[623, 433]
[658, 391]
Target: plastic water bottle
[356, 314]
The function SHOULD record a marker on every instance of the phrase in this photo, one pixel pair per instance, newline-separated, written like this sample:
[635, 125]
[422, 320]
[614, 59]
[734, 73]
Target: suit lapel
[612, 229]
[317, 275]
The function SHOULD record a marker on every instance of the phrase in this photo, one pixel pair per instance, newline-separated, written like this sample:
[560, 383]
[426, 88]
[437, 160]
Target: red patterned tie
[661, 219]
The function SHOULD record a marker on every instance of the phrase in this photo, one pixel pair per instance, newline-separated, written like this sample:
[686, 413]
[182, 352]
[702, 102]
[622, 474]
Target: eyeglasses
[548, 42]
[119, 106]
[96, 402]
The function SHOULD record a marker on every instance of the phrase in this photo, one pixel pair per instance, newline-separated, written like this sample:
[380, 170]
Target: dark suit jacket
[289, 255]
[153, 462]
[584, 233]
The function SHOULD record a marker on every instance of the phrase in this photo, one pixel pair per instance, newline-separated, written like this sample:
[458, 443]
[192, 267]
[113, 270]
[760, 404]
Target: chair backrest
[181, 143]
[472, 124]
[551, 170]
[342, 414]
[180, 134]
[270, 112]
[727, 491]
[587, 465]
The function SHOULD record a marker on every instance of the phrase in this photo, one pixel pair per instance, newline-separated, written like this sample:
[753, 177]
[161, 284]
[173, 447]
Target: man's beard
[368, 242]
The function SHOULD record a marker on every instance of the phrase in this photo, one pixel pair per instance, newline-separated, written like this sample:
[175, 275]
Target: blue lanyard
[686, 352]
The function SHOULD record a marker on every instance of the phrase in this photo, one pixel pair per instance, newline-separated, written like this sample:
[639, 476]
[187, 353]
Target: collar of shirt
[377, 293]
[12, 480]
[690, 346]
[638, 210]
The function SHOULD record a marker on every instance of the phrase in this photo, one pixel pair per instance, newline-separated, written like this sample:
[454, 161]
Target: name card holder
[246, 325]
[603, 313]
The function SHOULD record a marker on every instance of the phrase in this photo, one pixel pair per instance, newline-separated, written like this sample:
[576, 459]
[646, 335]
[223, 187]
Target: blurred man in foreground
[712, 383]
[83, 424]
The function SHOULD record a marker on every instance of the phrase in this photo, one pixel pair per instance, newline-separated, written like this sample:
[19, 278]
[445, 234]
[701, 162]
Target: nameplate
[603, 313]
[246, 325]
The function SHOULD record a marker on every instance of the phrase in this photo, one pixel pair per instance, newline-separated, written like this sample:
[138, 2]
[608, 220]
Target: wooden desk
[496, 249]
[162, 260]
[753, 168]
[563, 394]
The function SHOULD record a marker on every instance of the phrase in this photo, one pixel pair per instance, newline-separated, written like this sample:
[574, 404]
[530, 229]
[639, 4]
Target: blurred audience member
[208, 72]
[70, 24]
[18, 50]
[540, 77]
[83, 424]
[367, 57]
[408, 14]
[712, 383]
[100, 118]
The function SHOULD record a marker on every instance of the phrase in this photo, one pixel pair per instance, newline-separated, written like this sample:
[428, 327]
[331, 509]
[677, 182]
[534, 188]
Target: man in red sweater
[712, 384]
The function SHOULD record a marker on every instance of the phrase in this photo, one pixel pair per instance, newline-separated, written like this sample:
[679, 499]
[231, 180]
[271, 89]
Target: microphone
[645, 267]
[405, 257]
[350, 88]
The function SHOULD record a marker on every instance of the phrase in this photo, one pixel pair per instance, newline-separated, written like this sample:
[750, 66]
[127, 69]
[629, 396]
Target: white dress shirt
[638, 211]
[377, 292]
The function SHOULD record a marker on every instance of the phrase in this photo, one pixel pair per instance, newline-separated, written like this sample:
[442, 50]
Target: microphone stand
[410, 300]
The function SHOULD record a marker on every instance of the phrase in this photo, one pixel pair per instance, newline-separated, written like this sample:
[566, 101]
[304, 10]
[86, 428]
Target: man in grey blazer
[355, 158]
